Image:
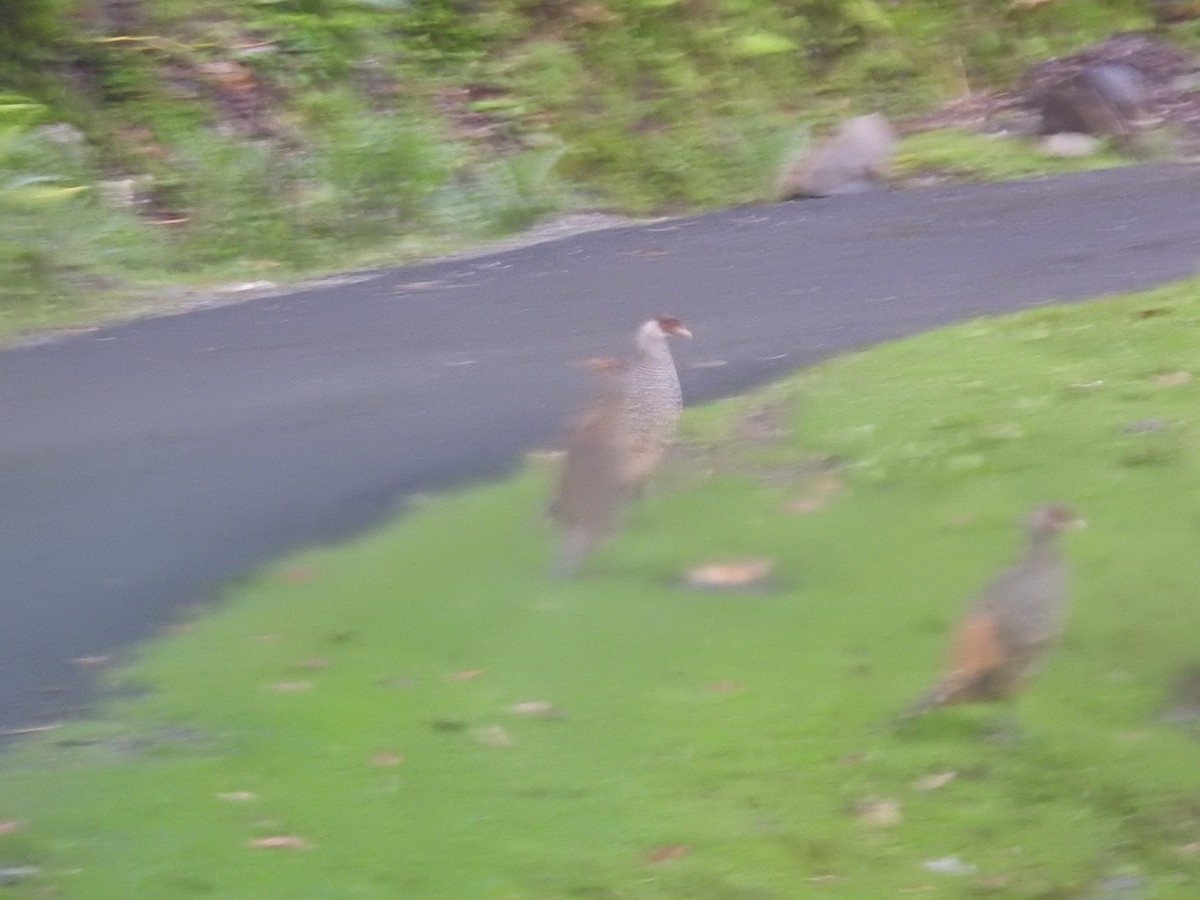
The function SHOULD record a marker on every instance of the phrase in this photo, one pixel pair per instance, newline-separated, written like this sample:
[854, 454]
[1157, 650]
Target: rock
[1069, 145]
[123, 193]
[62, 134]
[1105, 100]
[853, 161]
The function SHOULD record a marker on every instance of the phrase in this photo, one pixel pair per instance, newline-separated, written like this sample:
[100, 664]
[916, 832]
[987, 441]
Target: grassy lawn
[363, 702]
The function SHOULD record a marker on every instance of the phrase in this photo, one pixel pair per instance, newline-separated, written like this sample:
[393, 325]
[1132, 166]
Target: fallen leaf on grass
[386, 759]
[298, 575]
[11, 826]
[723, 687]
[806, 505]
[1173, 379]
[401, 682]
[237, 796]
[279, 842]
[668, 853]
[466, 674]
[729, 575]
[536, 709]
[878, 812]
[935, 781]
[492, 736]
[291, 687]
[948, 865]
[1145, 426]
[821, 492]
[1151, 312]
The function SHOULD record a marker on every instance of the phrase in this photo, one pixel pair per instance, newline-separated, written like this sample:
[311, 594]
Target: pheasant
[616, 444]
[1001, 641]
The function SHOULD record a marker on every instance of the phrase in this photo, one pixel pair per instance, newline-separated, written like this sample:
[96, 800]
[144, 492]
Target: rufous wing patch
[977, 648]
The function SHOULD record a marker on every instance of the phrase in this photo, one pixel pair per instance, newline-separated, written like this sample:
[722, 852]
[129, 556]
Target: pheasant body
[1005, 635]
[617, 443]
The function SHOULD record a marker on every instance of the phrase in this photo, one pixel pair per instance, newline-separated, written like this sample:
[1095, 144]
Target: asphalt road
[142, 464]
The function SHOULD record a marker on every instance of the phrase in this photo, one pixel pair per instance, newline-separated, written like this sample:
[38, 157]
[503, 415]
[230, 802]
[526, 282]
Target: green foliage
[29, 32]
[698, 746]
[57, 237]
[950, 154]
[387, 118]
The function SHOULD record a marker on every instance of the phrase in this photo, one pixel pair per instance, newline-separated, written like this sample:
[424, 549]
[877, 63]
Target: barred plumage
[614, 447]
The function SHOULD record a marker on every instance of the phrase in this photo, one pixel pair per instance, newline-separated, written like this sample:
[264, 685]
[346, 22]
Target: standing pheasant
[616, 444]
[1006, 633]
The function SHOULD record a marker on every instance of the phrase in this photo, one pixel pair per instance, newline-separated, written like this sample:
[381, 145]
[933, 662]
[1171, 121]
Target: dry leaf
[492, 736]
[935, 781]
[536, 709]
[878, 812]
[298, 575]
[806, 505]
[11, 826]
[668, 853]
[386, 759]
[238, 796]
[723, 687]
[279, 842]
[949, 865]
[291, 687]
[726, 575]
[400, 682]
[466, 674]
[1151, 312]
[313, 663]
[1173, 379]
[822, 490]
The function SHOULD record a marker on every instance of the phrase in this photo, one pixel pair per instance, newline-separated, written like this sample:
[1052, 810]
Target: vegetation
[384, 720]
[266, 138]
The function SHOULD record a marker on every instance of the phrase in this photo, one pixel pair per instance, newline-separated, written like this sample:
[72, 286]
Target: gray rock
[62, 134]
[1069, 145]
[1104, 100]
[853, 161]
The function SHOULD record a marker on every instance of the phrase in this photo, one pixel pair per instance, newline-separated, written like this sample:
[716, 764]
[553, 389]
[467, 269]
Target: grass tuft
[359, 700]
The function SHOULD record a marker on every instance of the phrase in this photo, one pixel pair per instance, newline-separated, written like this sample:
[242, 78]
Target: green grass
[736, 732]
[947, 153]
